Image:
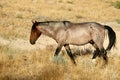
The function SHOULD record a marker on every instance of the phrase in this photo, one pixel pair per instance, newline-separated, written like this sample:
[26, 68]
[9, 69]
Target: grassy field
[19, 60]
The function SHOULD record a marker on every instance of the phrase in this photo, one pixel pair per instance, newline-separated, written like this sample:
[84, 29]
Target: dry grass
[21, 61]
[41, 65]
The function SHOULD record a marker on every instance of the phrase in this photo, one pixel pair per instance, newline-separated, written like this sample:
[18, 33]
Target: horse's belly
[78, 42]
[78, 39]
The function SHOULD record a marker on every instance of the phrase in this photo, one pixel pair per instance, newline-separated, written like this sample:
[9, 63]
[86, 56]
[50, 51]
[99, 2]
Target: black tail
[112, 37]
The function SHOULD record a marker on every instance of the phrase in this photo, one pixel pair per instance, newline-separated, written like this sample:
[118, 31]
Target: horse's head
[35, 33]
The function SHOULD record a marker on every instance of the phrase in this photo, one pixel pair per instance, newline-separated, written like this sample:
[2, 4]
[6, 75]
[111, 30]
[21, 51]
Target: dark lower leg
[57, 50]
[96, 53]
[104, 54]
[69, 53]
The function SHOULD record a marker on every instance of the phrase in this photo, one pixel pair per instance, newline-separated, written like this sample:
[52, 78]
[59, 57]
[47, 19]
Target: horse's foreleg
[69, 53]
[59, 47]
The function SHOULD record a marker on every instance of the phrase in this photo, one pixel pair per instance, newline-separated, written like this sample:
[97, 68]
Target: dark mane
[35, 24]
[55, 22]
[52, 23]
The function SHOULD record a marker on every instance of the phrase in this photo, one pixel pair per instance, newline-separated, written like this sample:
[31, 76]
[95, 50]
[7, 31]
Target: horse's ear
[34, 21]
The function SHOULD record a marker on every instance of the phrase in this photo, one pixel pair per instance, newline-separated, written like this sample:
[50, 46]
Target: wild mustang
[66, 33]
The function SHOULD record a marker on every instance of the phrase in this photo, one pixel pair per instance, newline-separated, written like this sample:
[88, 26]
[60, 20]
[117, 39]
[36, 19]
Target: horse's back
[87, 24]
[82, 33]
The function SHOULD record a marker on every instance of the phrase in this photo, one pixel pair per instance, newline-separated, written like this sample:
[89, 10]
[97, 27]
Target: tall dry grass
[41, 65]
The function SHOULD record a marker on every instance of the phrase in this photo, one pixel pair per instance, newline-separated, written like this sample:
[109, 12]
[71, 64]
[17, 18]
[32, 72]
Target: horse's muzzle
[32, 42]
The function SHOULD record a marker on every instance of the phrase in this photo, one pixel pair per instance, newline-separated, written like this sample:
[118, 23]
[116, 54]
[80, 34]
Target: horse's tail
[112, 37]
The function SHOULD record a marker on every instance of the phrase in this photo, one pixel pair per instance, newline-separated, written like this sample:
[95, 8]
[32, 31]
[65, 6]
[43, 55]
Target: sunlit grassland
[21, 62]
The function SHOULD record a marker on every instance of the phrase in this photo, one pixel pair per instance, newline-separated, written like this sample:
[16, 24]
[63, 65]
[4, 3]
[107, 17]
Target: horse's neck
[48, 31]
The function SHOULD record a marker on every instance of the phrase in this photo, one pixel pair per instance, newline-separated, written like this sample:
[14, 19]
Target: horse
[67, 33]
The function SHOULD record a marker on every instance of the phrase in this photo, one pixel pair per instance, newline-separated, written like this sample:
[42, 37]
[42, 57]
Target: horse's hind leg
[100, 51]
[97, 51]
[104, 54]
[67, 47]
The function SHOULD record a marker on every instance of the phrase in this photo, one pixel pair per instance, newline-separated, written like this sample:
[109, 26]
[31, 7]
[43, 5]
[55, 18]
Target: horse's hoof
[94, 61]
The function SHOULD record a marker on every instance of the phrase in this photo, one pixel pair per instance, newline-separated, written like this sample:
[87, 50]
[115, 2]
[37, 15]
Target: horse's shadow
[80, 52]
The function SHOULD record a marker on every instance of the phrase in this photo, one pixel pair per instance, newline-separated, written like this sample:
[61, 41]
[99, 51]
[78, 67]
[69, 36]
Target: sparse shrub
[3, 15]
[78, 16]
[118, 21]
[69, 9]
[19, 16]
[60, 1]
[70, 2]
[59, 60]
[1, 6]
[117, 4]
